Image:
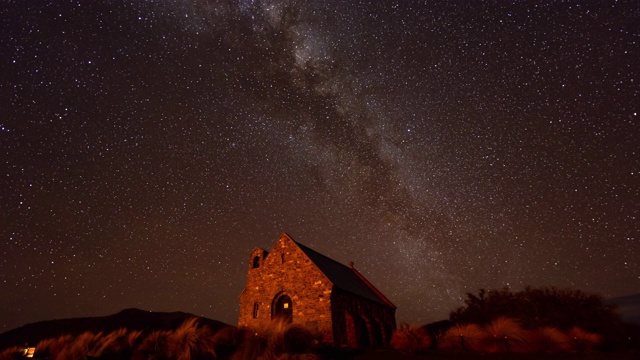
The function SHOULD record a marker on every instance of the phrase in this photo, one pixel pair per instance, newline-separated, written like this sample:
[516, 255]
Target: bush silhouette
[537, 308]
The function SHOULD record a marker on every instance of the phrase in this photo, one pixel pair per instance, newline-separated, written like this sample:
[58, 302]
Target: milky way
[148, 146]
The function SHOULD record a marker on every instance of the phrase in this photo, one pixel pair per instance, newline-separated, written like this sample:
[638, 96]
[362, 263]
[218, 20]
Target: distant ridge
[628, 307]
[132, 319]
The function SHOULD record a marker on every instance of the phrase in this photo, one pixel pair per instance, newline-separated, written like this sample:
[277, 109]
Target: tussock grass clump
[191, 341]
[12, 353]
[230, 339]
[548, 340]
[462, 338]
[153, 347]
[118, 344]
[410, 338]
[503, 335]
[582, 340]
[275, 340]
[298, 339]
[50, 348]
[79, 347]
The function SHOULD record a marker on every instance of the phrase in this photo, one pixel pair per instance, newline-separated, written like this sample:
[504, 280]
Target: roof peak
[285, 235]
[342, 276]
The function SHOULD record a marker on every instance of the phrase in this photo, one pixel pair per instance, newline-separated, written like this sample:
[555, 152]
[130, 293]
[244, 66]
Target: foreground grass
[396, 355]
[500, 340]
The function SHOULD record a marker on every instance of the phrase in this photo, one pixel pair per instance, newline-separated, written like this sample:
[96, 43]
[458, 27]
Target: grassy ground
[389, 354]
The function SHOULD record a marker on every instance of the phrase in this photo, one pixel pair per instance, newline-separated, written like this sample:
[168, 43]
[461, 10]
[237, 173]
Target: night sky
[146, 147]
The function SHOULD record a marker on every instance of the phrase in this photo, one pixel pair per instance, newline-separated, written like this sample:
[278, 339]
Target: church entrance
[283, 308]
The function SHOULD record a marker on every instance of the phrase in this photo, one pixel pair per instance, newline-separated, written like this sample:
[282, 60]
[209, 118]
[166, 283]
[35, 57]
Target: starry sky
[146, 147]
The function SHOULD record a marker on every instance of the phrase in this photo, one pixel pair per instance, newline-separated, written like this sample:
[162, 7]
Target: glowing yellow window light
[29, 352]
[286, 305]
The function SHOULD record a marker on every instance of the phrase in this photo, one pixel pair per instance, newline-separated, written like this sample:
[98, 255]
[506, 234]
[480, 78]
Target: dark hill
[132, 319]
[628, 307]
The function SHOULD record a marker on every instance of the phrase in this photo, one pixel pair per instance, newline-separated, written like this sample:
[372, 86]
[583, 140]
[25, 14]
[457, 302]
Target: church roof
[344, 277]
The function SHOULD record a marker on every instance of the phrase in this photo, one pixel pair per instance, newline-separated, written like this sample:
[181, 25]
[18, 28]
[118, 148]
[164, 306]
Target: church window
[256, 309]
[256, 262]
[282, 258]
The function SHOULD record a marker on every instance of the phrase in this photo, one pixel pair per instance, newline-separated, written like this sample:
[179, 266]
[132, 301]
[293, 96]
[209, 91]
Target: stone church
[296, 284]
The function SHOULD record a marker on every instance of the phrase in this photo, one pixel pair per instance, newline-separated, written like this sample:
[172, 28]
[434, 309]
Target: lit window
[286, 305]
[28, 352]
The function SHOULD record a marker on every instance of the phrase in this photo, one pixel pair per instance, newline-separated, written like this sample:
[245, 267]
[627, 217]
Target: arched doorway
[283, 308]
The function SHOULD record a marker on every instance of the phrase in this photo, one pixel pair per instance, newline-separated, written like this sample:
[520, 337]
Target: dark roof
[344, 277]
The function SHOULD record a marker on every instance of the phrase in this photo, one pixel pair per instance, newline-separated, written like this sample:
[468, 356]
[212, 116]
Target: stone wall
[359, 322]
[286, 270]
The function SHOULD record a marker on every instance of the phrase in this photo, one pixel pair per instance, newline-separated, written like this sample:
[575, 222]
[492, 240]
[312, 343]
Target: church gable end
[286, 285]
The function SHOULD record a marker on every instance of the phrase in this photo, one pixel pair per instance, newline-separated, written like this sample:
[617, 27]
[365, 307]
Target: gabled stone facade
[294, 283]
